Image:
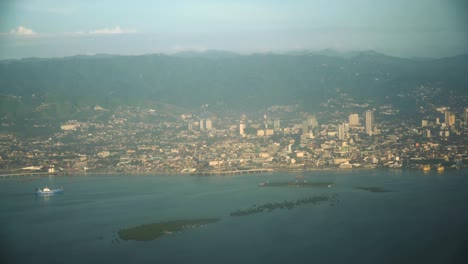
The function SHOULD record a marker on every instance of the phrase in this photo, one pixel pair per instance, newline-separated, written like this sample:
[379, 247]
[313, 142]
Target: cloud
[22, 31]
[110, 31]
[50, 10]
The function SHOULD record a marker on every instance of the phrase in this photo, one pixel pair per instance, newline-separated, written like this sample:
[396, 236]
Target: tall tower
[312, 122]
[265, 121]
[208, 124]
[276, 124]
[353, 119]
[241, 128]
[465, 115]
[341, 132]
[202, 124]
[447, 117]
[369, 122]
[451, 119]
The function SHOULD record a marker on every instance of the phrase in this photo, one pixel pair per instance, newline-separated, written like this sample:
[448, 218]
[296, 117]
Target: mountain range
[60, 86]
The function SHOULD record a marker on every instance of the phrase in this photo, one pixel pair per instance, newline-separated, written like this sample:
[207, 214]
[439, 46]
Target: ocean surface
[424, 219]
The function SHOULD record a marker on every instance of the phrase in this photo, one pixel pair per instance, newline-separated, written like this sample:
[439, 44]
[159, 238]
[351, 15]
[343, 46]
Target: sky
[58, 28]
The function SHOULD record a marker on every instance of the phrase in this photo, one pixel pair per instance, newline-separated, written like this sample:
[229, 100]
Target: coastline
[15, 174]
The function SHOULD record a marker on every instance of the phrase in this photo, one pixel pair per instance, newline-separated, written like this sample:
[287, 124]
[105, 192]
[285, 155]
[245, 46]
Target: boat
[426, 167]
[440, 168]
[262, 183]
[47, 191]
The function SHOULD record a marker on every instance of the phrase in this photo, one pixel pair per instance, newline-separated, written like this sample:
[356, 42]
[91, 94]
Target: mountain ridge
[235, 81]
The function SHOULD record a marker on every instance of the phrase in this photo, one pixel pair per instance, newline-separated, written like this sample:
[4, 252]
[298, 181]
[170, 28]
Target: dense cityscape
[344, 135]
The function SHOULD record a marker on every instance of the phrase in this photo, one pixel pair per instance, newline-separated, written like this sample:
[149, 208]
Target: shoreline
[15, 174]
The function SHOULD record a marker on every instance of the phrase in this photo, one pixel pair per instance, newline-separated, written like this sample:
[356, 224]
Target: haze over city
[233, 131]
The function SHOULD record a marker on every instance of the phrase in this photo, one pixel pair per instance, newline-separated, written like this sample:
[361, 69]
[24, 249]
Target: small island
[285, 204]
[373, 189]
[149, 232]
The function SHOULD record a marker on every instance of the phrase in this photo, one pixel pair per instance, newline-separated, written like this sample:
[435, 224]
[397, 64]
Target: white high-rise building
[208, 124]
[241, 129]
[353, 119]
[427, 133]
[465, 116]
[205, 124]
[341, 132]
[369, 122]
[308, 125]
[276, 124]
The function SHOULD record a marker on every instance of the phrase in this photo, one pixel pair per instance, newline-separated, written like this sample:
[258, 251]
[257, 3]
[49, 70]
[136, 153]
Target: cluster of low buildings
[136, 140]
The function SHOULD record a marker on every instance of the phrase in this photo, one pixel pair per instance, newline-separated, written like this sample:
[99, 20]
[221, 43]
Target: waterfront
[420, 220]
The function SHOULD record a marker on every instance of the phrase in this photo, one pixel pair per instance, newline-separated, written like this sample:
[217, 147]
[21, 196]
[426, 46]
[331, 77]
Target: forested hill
[231, 80]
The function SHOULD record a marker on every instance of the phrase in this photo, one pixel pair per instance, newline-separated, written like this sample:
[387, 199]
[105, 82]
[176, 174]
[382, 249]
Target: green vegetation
[152, 231]
[373, 189]
[285, 204]
[57, 88]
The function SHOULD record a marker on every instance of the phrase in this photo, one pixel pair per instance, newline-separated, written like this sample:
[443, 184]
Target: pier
[232, 172]
[24, 174]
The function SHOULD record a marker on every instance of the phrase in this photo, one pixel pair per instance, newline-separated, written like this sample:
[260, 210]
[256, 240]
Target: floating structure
[440, 168]
[426, 167]
[47, 191]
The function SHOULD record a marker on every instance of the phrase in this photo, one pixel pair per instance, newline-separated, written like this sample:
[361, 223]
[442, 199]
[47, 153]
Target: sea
[419, 218]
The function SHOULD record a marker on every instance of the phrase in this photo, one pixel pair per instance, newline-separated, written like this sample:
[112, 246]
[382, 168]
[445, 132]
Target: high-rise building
[446, 117]
[353, 119]
[427, 133]
[369, 122]
[312, 122]
[205, 124]
[424, 123]
[241, 128]
[208, 124]
[202, 124]
[308, 125]
[265, 121]
[449, 118]
[343, 130]
[276, 125]
[465, 116]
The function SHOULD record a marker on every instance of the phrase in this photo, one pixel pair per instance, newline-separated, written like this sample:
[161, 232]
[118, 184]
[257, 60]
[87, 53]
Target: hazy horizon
[53, 28]
[201, 53]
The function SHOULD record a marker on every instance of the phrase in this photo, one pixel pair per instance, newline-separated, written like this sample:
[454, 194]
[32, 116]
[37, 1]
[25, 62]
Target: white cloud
[109, 31]
[50, 10]
[22, 31]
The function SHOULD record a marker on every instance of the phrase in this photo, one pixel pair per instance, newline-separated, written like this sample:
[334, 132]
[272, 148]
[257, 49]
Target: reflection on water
[420, 213]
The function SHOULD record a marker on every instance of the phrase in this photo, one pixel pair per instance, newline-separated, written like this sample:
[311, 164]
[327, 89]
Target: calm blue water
[424, 219]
